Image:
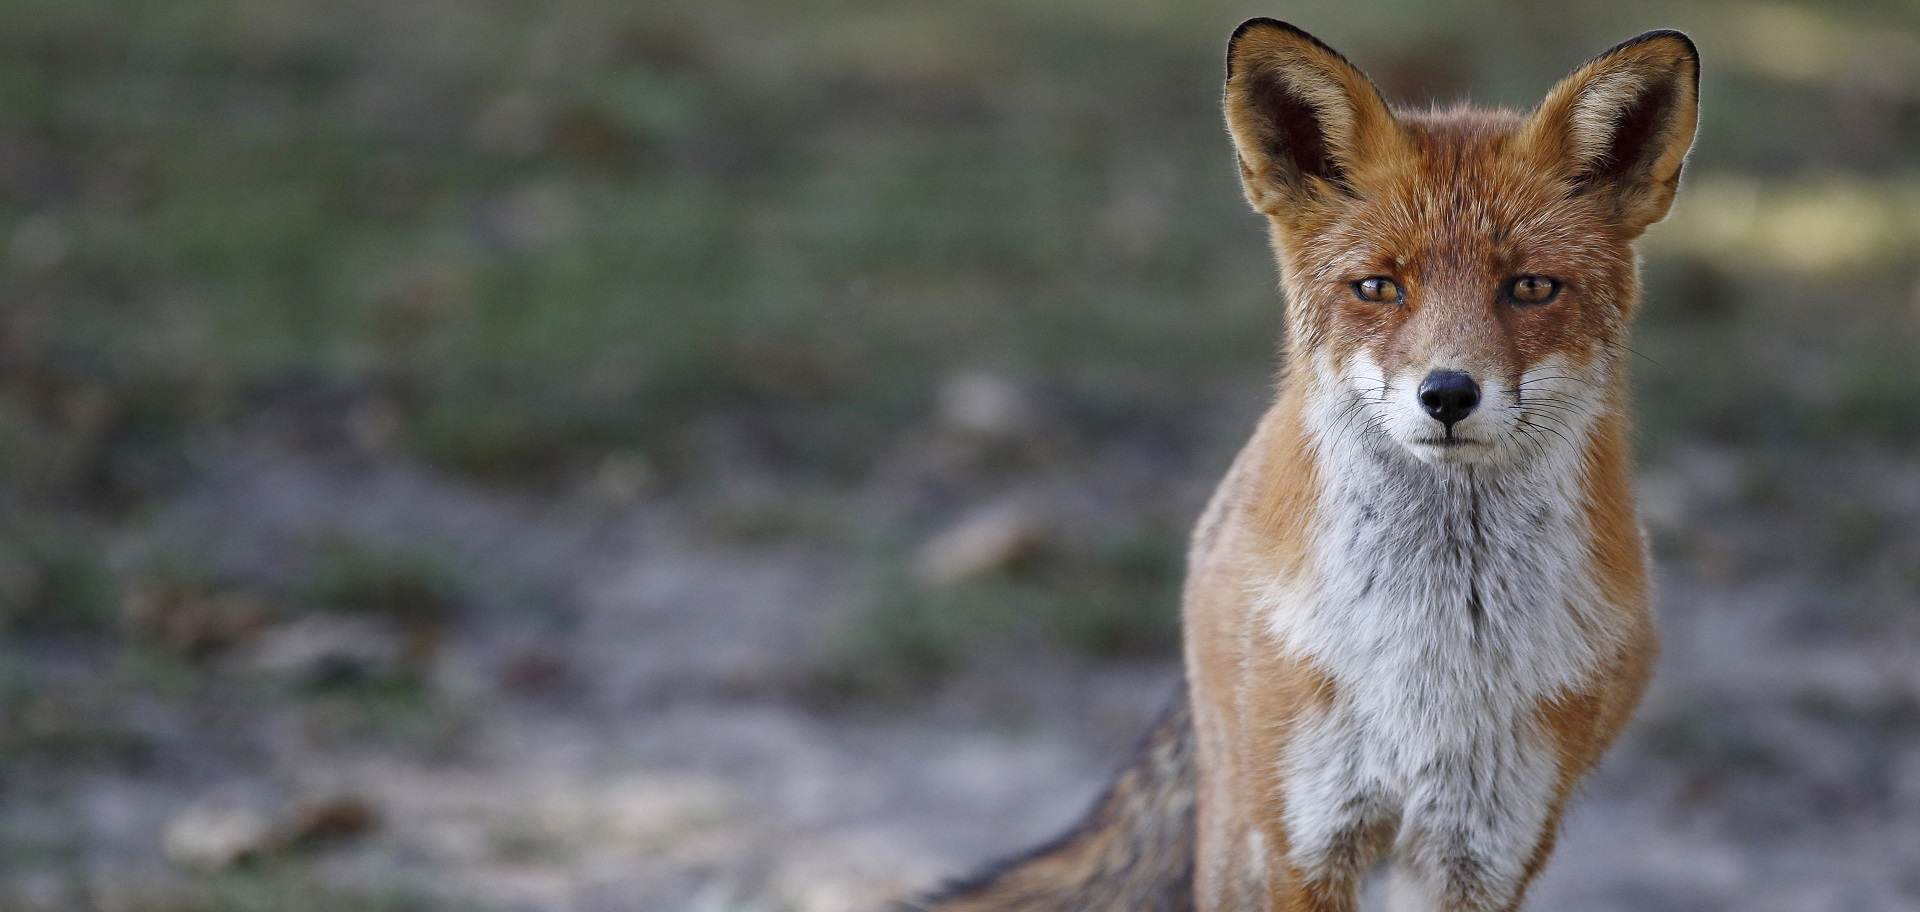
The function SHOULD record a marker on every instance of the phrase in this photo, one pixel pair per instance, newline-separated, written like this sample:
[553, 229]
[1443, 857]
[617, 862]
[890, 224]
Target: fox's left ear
[1622, 123]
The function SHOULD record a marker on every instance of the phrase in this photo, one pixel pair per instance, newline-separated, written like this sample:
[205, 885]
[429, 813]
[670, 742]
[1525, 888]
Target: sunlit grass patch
[1820, 225]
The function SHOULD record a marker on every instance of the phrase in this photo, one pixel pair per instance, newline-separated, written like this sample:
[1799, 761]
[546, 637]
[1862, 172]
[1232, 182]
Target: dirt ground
[649, 750]
[736, 457]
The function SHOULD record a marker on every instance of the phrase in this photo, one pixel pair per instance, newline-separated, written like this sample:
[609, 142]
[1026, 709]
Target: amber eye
[1533, 289]
[1379, 289]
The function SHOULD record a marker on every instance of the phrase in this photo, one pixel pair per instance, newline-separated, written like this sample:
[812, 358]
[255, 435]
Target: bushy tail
[1133, 850]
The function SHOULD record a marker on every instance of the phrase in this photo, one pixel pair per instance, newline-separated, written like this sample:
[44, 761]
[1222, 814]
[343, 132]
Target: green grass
[76, 726]
[728, 238]
[803, 217]
[53, 580]
[418, 597]
[396, 710]
[285, 888]
[276, 884]
[1115, 596]
[408, 587]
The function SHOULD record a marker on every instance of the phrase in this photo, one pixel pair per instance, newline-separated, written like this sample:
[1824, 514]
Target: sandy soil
[643, 749]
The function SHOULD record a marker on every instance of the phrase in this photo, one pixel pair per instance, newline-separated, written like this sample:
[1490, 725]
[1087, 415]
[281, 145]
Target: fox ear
[1306, 124]
[1622, 123]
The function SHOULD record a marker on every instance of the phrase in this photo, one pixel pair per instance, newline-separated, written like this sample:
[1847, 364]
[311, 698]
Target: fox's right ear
[1306, 124]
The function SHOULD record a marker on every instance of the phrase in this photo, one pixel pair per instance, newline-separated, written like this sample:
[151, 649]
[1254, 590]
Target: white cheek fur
[1546, 415]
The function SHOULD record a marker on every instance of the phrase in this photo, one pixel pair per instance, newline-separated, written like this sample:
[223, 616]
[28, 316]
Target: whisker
[1531, 438]
[1549, 396]
[1563, 437]
[1634, 351]
[1534, 380]
[1551, 422]
[1556, 406]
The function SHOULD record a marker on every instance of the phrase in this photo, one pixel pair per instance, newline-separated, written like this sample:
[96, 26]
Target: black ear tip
[1255, 24]
[1693, 53]
[1260, 23]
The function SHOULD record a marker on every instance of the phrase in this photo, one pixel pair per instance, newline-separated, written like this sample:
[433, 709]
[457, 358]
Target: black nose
[1449, 396]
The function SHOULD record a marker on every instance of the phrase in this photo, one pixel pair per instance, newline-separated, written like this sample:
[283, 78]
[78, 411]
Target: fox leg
[1538, 860]
[1473, 835]
[1460, 870]
[1332, 882]
[1417, 888]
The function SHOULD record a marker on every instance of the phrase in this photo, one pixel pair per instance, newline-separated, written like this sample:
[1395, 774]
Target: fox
[1417, 607]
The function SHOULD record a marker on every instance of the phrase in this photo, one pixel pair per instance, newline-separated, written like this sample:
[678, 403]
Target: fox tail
[1133, 851]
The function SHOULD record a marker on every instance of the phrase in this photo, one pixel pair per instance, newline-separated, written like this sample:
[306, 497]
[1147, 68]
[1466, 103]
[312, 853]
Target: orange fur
[1448, 203]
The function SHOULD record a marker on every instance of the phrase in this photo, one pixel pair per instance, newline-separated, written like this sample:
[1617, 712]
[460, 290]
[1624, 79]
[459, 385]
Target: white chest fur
[1445, 602]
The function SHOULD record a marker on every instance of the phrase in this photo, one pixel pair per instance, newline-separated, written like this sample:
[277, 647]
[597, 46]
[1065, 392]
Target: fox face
[1460, 283]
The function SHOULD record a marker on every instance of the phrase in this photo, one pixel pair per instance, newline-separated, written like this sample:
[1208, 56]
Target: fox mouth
[1448, 442]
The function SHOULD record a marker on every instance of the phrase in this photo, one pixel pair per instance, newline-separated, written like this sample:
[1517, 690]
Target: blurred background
[472, 454]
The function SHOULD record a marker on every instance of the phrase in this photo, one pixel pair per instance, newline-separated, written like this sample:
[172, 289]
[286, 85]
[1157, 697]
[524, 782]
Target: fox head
[1460, 282]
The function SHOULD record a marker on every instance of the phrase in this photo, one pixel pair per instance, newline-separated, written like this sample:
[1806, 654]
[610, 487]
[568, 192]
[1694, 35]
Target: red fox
[1416, 609]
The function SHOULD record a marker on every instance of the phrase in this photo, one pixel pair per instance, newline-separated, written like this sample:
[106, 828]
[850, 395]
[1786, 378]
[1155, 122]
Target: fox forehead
[1458, 211]
[1460, 200]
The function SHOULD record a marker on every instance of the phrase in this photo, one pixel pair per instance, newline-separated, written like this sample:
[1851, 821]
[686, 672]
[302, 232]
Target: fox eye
[1533, 289]
[1379, 289]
